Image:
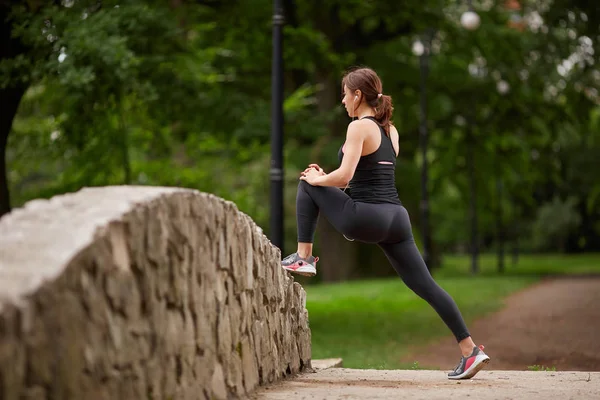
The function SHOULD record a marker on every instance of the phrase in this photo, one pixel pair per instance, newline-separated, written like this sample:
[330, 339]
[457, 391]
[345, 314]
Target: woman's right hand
[316, 167]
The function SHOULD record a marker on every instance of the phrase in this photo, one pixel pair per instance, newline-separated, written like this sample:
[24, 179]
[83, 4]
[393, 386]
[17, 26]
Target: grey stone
[219, 391]
[131, 292]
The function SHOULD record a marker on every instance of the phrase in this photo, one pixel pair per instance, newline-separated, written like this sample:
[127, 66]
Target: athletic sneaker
[302, 266]
[469, 366]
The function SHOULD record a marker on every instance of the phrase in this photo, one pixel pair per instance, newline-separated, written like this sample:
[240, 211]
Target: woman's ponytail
[384, 111]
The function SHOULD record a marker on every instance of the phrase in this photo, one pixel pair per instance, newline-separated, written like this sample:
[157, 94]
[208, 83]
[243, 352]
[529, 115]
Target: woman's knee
[316, 193]
[304, 186]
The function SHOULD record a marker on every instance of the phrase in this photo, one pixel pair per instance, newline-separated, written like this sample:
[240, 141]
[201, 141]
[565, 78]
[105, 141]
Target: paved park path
[555, 324]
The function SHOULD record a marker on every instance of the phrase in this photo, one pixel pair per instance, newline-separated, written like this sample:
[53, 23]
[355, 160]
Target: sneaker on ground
[468, 366]
[301, 266]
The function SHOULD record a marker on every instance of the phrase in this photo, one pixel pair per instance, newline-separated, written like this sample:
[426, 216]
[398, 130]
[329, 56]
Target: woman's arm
[340, 177]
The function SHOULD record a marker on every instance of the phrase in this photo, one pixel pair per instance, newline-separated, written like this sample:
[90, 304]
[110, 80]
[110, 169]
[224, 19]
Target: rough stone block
[143, 292]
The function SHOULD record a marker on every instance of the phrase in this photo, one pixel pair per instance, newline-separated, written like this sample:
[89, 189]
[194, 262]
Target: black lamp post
[276, 171]
[470, 21]
[422, 48]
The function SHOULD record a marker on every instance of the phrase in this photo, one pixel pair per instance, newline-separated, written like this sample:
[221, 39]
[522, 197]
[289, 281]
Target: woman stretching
[370, 210]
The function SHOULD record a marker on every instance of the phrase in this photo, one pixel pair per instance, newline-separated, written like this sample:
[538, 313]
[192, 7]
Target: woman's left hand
[311, 176]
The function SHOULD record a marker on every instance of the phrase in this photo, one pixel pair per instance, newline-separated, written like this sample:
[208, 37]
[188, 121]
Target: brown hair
[367, 81]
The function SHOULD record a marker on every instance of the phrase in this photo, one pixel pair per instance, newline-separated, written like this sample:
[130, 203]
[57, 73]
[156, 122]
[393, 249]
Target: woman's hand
[311, 175]
[314, 166]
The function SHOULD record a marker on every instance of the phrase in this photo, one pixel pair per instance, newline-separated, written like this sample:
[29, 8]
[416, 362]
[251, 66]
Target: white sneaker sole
[305, 270]
[480, 362]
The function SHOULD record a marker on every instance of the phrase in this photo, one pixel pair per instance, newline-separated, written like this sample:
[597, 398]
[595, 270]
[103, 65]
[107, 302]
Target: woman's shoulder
[357, 123]
[393, 131]
[358, 127]
[395, 138]
[363, 124]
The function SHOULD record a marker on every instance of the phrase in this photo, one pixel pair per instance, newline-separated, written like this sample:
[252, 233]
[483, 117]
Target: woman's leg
[408, 263]
[367, 223]
[403, 254]
[311, 201]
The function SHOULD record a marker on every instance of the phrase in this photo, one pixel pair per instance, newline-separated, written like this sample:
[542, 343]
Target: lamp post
[276, 171]
[422, 49]
[471, 21]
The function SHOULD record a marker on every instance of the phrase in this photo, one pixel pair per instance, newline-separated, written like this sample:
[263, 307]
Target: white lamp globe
[418, 48]
[503, 87]
[470, 20]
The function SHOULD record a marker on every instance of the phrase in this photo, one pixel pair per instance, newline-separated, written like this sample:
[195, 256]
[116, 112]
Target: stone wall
[143, 293]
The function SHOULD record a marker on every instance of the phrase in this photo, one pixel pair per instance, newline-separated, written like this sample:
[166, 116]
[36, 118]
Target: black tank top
[374, 182]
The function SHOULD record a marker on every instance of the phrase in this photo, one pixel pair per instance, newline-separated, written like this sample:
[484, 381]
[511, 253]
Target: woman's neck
[365, 112]
[366, 115]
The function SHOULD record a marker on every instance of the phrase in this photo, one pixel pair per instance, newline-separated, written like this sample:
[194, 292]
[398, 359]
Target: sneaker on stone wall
[301, 266]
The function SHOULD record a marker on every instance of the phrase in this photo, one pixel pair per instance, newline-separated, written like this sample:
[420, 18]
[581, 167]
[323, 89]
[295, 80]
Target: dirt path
[555, 323]
[350, 384]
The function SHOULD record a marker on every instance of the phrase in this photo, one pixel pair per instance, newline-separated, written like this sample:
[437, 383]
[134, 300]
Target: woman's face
[349, 101]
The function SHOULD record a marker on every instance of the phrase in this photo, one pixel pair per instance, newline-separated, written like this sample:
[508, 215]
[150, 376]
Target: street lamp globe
[470, 20]
[503, 87]
[418, 48]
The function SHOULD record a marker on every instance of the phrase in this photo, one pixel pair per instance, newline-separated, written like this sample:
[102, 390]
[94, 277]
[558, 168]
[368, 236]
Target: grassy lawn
[371, 324]
[537, 265]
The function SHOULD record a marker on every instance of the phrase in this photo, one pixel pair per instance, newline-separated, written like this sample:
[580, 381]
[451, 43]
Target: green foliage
[555, 221]
[158, 93]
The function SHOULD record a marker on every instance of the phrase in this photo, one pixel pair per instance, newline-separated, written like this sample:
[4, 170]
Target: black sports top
[374, 180]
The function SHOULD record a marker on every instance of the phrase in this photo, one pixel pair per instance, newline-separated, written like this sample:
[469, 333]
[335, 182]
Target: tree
[12, 89]
[101, 62]
[187, 104]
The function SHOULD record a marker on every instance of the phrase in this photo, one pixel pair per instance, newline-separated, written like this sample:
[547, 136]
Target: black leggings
[388, 226]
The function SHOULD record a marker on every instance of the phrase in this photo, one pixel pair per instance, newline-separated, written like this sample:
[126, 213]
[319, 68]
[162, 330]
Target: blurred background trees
[178, 93]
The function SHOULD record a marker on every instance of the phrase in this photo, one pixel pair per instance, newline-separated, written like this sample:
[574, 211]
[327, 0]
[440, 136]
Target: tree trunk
[515, 244]
[338, 256]
[6, 117]
[423, 143]
[125, 144]
[11, 98]
[473, 200]
[515, 252]
[500, 228]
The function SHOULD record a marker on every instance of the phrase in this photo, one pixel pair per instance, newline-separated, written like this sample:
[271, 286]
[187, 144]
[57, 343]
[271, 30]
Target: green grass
[541, 368]
[372, 324]
[538, 264]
